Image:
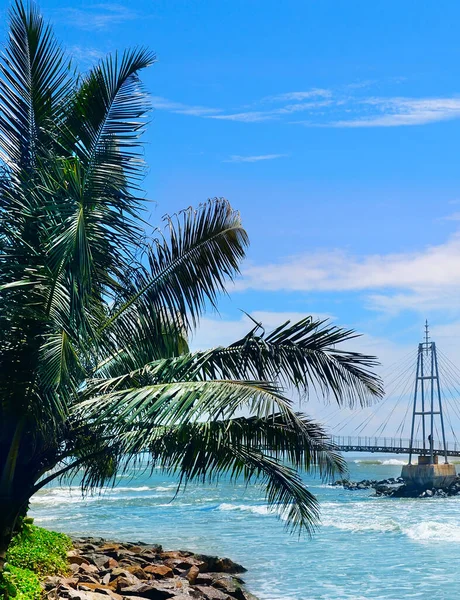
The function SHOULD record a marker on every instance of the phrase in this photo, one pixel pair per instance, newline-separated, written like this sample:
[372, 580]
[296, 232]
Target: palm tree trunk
[3, 550]
[6, 533]
[9, 515]
[7, 476]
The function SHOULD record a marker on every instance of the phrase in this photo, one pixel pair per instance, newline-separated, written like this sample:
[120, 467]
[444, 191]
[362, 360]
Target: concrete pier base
[428, 476]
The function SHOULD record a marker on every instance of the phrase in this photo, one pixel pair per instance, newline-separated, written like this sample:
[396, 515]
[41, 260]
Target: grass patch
[33, 554]
[39, 550]
[24, 582]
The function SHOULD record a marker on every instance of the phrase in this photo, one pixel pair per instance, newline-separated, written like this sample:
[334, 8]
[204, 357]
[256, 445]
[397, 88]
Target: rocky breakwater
[104, 570]
[395, 486]
[384, 487]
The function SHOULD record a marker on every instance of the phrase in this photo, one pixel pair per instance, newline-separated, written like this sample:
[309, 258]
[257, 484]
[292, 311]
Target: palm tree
[96, 308]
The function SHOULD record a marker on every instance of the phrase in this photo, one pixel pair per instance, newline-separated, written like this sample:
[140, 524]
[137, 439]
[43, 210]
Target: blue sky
[333, 126]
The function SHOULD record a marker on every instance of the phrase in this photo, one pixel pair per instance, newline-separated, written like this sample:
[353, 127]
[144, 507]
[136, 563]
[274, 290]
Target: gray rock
[219, 565]
[97, 559]
[211, 593]
[205, 579]
[387, 488]
[152, 592]
[229, 585]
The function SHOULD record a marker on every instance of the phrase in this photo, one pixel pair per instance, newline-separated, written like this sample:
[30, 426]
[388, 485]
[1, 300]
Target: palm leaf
[179, 402]
[268, 450]
[96, 310]
[301, 355]
[34, 88]
[185, 271]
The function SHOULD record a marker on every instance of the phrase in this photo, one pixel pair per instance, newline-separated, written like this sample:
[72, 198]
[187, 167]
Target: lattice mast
[427, 398]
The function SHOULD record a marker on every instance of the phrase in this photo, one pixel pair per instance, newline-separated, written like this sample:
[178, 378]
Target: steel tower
[427, 407]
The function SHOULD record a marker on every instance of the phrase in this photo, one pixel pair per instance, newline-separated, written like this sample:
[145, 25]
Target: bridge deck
[390, 446]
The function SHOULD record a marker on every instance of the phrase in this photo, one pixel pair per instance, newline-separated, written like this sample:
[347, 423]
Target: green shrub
[39, 550]
[21, 584]
[33, 553]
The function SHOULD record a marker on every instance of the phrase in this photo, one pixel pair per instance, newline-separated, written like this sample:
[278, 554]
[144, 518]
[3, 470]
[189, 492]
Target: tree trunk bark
[2, 558]
[8, 521]
[5, 540]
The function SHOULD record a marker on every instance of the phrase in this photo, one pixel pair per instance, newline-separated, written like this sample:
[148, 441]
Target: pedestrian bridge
[391, 445]
[417, 414]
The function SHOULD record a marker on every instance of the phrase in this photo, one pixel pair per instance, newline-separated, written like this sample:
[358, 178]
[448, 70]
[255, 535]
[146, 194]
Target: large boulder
[146, 590]
[211, 593]
[159, 571]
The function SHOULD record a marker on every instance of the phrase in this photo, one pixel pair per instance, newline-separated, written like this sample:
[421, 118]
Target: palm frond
[268, 450]
[300, 355]
[106, 121]
[184, 271]
[96, 312]
[34, 88]
[179, 402]
[206, 452]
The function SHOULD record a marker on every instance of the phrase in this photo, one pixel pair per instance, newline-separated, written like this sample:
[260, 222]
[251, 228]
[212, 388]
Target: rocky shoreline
[395, 486]
[105, 570]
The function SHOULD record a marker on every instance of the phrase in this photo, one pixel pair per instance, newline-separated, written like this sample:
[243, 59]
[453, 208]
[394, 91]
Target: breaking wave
[385, 525]
[255, 509]
[388, 461]
[74, 494]
[433, 531]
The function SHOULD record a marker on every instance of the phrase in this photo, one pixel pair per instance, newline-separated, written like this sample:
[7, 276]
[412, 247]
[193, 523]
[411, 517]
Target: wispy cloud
[247, 117]
[86, 56]
[452, 217]
[97, 16]
[183, 109]
[427, 279]
[397, 112]
[235, 158]
[357, 85]
[289, 96]
[275, 113]
[325, 108]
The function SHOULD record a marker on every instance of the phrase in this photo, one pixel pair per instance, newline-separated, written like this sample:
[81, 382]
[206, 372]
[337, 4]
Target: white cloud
[328, 109]
[453, 217]
[273, 114]
[396, 112]
[303, 106]
[247, 117]
[370, 112]
[86, 56]
[422, 280]
[97, 16]
[161, 103]
[235, 158]
[313, 93]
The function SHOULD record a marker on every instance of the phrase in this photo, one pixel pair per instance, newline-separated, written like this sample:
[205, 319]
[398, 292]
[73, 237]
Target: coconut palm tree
[96, 307]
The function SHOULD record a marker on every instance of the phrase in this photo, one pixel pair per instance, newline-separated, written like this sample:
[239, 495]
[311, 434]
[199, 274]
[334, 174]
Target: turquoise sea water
[366, 547]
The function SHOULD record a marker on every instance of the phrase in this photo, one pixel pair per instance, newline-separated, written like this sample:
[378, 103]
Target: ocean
[366, 547]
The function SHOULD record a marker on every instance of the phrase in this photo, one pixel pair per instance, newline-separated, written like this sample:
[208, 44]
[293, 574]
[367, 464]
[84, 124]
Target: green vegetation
[96, 306]
[21, 584]
[33, 553]
[39, 550]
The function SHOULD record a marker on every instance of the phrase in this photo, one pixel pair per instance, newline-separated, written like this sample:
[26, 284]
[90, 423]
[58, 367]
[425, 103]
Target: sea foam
[389, 461]
[256, 509]
[433, 531]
